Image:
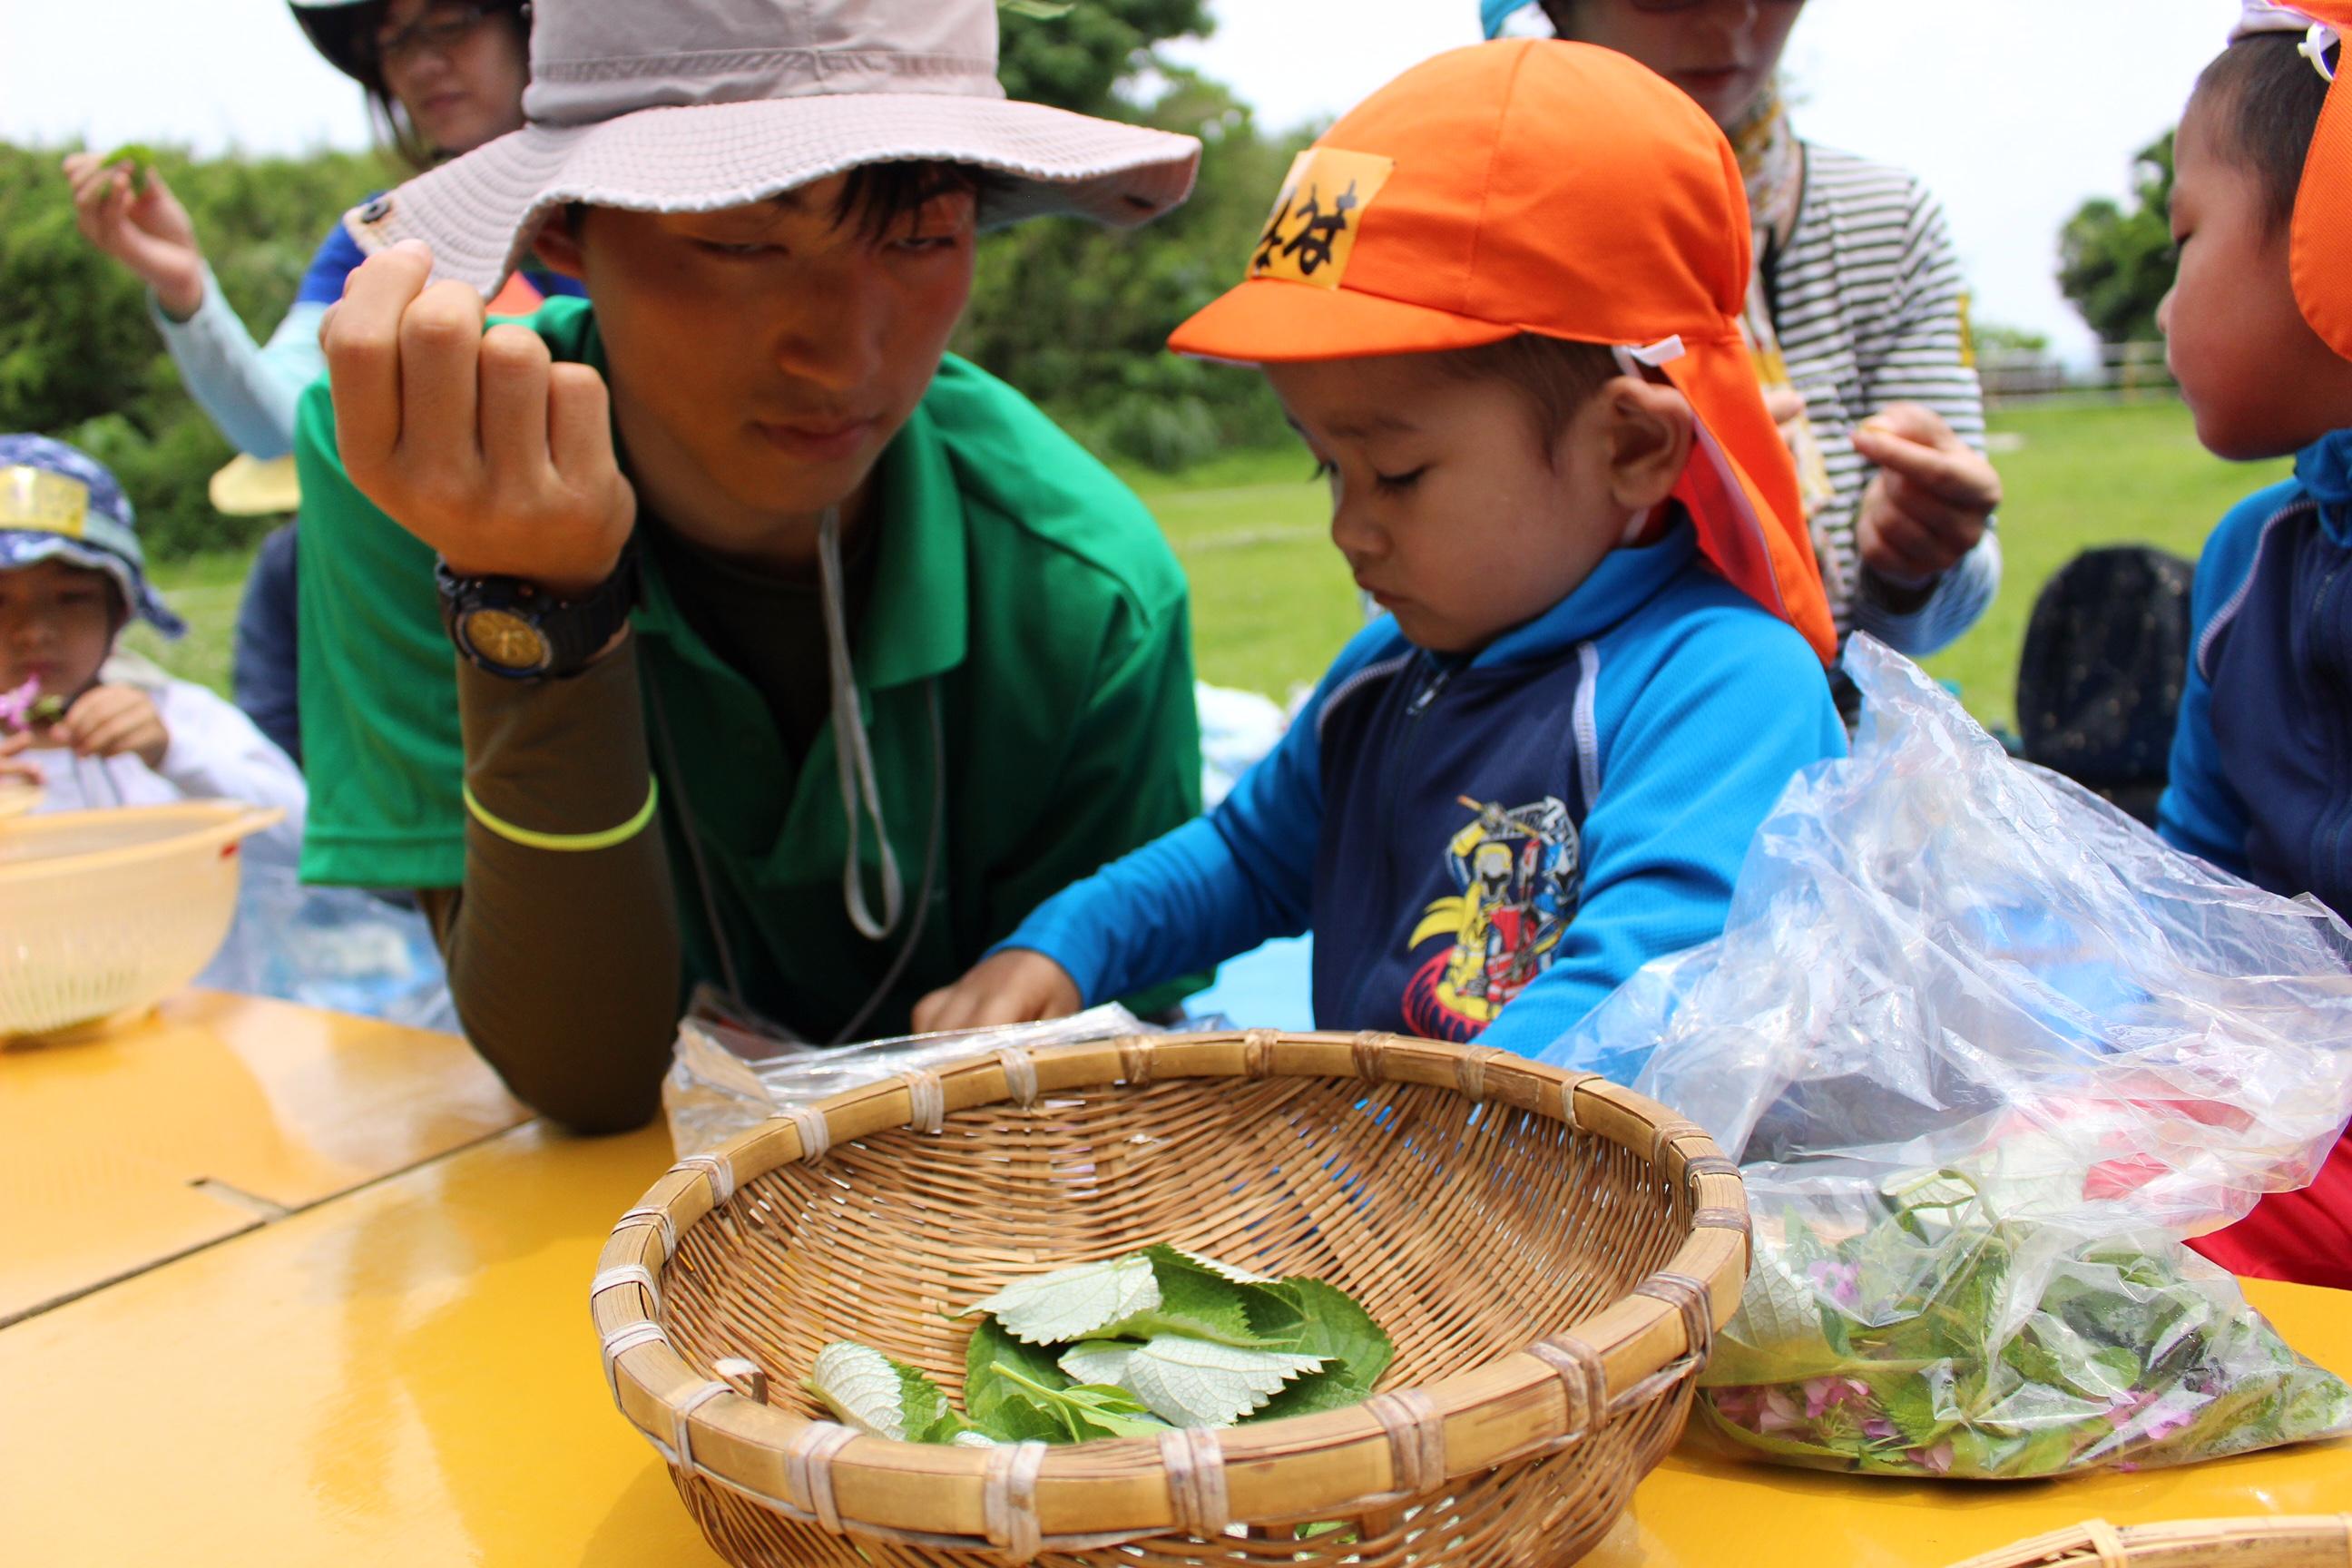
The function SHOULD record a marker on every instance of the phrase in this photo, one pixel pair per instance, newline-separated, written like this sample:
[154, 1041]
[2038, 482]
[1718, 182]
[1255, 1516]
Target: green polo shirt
[1015, 576]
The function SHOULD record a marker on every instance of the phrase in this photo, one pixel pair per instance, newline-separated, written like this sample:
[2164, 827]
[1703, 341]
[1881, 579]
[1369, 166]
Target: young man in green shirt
[791, 655]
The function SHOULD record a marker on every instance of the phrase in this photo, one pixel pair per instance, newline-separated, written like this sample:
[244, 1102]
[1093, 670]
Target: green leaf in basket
[1072, 1303]
[1355, 1349]
[1335, 1327]
[999, 1404]
[1225, 1271]
[1084, 1411]
[1099, 1361]
[1016, 1394]
[1334, 1387]
[882, 1398]
[1196, 1299]
[1193, 1382]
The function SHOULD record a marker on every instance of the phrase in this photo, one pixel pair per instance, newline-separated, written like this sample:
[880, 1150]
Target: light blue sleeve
[2201, 812]
[248, 390]
[1694, 758]
[1958, 601]
[1216, 887]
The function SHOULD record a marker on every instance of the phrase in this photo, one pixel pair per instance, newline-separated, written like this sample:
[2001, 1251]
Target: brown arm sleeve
[563, 963]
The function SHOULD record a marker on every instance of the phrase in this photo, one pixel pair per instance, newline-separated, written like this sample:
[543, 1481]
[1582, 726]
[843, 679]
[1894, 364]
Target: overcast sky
[2012, 110]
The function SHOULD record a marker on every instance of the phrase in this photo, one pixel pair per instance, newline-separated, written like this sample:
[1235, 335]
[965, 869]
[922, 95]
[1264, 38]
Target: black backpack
[2098, 686]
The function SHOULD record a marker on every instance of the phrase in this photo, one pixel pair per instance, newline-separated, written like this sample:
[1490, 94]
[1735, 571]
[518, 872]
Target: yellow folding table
[402, 1371]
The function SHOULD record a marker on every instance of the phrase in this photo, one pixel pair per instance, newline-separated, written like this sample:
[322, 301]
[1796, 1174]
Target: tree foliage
[1078, 56]
[2115, 262]
[79, 359]
[1078, 317]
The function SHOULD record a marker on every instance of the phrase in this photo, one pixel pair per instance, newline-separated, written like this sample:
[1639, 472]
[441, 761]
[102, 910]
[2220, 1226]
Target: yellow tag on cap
[1312, 230]
[43, 503]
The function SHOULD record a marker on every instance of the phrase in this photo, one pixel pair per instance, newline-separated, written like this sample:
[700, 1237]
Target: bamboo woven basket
[1551, 1254]
[2308, 1541]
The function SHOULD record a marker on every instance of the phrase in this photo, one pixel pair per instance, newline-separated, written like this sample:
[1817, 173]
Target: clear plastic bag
[337, 948]
[1988, 1051]
[732, 1070]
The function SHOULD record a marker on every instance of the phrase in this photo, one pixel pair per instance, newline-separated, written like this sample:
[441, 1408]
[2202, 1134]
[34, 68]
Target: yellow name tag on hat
[43, 503]
[1312, 231]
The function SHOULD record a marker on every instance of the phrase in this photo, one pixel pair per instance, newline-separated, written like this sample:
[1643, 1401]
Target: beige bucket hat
[687, 105]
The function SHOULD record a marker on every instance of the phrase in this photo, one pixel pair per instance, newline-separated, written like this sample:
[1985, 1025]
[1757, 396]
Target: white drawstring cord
[851, 753]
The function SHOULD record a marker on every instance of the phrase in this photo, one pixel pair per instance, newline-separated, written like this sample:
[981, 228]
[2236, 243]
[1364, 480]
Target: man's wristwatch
[511, 627]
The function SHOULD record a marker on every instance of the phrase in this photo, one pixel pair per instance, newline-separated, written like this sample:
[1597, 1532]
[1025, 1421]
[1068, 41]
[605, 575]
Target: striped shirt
[1866, 298]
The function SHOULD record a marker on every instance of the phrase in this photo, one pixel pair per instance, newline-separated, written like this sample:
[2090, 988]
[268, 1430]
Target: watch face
[506, 639]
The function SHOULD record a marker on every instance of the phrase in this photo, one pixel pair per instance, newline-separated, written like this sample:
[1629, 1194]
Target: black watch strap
[511, 627]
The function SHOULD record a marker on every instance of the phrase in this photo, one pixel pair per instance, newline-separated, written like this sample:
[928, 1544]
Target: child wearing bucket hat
[1500, 301]
[793, 656]
[2259, 324]
[88, 726]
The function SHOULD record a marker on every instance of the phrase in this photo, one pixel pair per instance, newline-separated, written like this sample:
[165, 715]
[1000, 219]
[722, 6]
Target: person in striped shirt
[1856, 315]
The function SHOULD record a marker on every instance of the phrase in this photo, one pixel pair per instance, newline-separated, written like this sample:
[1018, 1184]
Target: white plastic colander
[103, 912]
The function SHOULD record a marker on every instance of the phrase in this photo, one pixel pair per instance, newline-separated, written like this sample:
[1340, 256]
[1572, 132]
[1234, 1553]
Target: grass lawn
[204, 589]
[2133, 474]
[1272, 601]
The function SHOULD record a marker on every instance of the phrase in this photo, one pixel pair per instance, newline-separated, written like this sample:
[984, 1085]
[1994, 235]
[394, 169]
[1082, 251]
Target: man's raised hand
[475, 442]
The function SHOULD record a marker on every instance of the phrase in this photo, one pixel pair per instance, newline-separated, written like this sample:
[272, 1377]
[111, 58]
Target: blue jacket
[2262, 759]
[1528, 825]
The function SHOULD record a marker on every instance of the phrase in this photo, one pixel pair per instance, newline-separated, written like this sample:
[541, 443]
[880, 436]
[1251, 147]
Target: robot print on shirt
[1521, 874]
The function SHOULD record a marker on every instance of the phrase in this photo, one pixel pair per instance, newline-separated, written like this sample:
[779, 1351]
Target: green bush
[79, 359]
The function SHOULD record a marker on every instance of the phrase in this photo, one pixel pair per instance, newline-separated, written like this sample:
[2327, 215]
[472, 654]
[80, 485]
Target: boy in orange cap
[2260, 327]
[1500, 303]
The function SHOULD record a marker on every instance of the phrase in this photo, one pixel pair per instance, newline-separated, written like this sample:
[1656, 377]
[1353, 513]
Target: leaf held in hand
[142, 159]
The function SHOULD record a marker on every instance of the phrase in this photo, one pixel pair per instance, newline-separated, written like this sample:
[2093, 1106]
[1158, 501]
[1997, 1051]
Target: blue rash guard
[2261, 758]
[1522, 829]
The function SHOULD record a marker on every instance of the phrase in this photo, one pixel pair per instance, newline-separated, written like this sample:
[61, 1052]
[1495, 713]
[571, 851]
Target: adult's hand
[145, 229]
[1015, 987]
[1931, 500]
[475, 442]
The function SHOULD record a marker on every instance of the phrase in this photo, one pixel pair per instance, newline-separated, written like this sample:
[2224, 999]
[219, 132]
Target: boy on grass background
[1499, 302]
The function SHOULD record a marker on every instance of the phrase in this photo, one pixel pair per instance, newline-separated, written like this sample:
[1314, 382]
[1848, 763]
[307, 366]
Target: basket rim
[1641, 1347]
[212, 823]
[2155, 1542]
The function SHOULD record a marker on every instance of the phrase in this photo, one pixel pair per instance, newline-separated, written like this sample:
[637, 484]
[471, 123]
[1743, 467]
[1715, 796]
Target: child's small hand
[113, 721]
[1015, 987]
[14, 769]
[1931, 499]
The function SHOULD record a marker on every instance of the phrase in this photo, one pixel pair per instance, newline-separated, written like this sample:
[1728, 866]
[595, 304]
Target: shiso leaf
[1193, 1382]
[1072, 1303]
[1100, 1361]
[879, 1396]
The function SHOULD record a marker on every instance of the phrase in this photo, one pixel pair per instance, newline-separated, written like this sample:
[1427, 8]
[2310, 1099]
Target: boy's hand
[113, 721]
[1931, 499]
[1015, 987]
[474, 441]
[145, 229]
